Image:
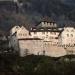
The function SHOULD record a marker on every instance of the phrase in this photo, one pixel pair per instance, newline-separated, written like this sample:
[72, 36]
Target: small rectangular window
[72, 30]
[20, 34]
[67, 35]
[71, 35]
[43, 32]
[67, 30]
[42, 29]
[47, 32]
[52, 33]
[35, 32]
[55, 33]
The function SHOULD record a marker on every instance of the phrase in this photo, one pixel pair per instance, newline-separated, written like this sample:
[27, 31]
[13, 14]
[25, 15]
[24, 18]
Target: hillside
[30, 12]
[37, 65]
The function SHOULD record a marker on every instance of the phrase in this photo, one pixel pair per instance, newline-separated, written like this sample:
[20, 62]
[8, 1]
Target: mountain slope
[30, 12]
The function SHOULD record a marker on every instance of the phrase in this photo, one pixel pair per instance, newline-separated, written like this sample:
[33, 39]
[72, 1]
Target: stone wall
[43, 43]
[40, 47]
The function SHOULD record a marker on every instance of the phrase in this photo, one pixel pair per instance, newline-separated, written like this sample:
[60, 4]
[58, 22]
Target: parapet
[48, 24]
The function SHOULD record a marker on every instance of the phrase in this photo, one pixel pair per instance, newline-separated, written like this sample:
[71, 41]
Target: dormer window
[42, 29]
[45, 23]
[55, 25]
[34, 29]
[60, 29]
[49, 29]
[42, 23]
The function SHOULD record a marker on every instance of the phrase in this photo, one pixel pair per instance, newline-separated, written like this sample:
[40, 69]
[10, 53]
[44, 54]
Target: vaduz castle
[44, 39]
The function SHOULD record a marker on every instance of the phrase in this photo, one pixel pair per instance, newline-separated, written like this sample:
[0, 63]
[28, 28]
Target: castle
[44, 39]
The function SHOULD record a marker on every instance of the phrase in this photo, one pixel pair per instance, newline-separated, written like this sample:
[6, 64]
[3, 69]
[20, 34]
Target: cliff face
[29, 12]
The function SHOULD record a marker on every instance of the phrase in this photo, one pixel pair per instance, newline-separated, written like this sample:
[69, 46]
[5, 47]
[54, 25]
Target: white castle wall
[45, 35]
[33, 47]
[13, 42]
[43, 43]
[68, 36]
[22, 33]
[14, 29]
[38, 47]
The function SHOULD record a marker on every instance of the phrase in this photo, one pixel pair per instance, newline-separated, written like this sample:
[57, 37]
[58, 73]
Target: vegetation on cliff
[37, 65]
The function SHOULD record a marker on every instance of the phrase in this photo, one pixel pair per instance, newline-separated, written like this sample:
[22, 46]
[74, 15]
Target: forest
[36, 65]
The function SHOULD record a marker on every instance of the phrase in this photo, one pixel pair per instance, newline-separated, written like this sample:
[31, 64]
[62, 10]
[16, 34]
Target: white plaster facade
[14, 29]
[48, 41]
[68, 36]
[47, 36]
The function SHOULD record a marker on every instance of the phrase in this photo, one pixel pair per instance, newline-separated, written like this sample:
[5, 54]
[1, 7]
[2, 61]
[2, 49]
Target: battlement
[48, 24]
